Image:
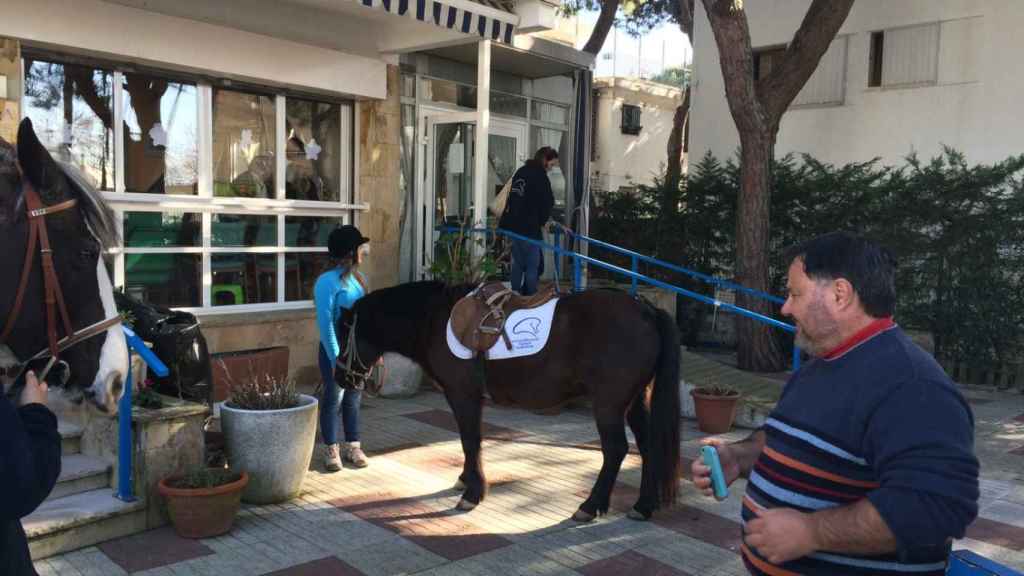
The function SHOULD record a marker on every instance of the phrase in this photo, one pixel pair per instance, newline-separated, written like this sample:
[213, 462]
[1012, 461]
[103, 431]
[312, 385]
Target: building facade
[900, 77]
[231, 137]
[632, 123]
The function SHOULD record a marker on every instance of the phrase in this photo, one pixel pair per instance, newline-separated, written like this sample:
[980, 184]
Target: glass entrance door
[449, 197]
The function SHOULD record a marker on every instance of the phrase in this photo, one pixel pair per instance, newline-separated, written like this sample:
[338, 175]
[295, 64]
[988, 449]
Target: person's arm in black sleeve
[547, 201]
[29, 457]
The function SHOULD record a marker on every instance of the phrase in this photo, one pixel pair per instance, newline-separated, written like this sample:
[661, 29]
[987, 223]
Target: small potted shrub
[269, 431]
[203, 502]
[715, 406]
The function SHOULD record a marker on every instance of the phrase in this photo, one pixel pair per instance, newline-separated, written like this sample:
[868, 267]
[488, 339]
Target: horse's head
[96, 367]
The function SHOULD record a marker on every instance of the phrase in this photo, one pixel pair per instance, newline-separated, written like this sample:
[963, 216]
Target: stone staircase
[81, 510]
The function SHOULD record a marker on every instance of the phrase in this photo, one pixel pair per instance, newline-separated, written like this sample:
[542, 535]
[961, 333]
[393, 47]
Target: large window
[226, 196]
[826, 86]
[71, 108]
[904, 56]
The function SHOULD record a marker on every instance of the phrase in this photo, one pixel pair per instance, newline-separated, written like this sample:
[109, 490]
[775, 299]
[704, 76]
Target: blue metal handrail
[634, 276]
[636, 257]
[124, 414]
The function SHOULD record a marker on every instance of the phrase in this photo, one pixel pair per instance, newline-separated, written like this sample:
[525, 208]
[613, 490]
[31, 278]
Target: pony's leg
[614, 447]
[467, 410]
[637, 418]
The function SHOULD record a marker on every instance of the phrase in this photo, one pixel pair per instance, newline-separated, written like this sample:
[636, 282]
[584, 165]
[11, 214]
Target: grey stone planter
[274, 446]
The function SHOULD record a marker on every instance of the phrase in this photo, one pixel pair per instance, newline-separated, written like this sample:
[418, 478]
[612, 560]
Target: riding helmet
[344, 240]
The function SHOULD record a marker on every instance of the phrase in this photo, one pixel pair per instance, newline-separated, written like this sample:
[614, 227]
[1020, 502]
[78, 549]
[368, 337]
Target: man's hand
[35, 392]
[782, 534]
[730, 466]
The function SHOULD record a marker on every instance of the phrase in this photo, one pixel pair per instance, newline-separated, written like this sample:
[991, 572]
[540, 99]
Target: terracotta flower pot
[203, 512]
[715, 412]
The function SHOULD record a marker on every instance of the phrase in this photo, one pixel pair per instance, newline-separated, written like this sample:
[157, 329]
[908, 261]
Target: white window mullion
[205, 123]
[280, 109]
[207, 298]
[349, 162]
[281, 143]
[204, 120]
[118, 128]
[282, 277]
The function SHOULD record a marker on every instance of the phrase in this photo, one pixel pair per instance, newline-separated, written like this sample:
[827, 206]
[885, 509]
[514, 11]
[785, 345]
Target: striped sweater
[876, 419]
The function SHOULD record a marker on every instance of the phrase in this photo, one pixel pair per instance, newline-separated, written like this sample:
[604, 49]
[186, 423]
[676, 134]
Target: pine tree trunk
[605, 21]
[757, 349]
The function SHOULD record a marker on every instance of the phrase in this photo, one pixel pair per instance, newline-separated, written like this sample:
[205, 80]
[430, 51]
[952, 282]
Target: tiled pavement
[397, 517]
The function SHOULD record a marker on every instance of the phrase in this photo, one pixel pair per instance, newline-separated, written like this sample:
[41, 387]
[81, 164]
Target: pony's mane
[98, 216]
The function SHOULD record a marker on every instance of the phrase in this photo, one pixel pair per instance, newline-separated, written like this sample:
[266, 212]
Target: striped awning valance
[464, 20]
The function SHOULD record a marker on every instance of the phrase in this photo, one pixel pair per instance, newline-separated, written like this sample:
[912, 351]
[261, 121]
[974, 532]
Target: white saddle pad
[527, 329]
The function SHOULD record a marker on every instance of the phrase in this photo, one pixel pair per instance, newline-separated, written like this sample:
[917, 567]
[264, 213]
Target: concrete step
[80, 473]
[81, 520]
[71, 438]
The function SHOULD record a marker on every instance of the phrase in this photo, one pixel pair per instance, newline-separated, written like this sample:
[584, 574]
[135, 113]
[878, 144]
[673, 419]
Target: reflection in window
[70, 108]
[243, 279]
[308, 231]
[550, 113]
[314, 151]
[161, 155]
[238, 230]
[172, 228]
[557, 139]
[243, 145]
[301, 272]
[171, 280]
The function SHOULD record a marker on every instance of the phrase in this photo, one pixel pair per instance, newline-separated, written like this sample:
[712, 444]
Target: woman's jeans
[333, 396]
[526, 260]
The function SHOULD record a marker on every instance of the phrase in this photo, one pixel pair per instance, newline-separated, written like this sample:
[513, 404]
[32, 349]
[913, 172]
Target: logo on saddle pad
[527, 329]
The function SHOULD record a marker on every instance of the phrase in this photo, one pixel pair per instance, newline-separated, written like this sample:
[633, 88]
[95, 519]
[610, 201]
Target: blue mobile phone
[710, 457]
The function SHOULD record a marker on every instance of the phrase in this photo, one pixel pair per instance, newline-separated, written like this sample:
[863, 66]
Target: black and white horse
[95, 368]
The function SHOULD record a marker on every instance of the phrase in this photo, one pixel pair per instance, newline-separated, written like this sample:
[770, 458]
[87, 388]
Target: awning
[452, 17]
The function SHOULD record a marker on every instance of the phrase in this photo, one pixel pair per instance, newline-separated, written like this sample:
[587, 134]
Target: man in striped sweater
[866, 465]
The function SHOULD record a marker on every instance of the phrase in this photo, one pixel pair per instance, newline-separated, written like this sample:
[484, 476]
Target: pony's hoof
[459, 485]
[583, 516]
[465, 505]
[635, 514]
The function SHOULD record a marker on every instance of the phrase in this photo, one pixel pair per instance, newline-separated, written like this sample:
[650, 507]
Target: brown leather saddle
[478, 319]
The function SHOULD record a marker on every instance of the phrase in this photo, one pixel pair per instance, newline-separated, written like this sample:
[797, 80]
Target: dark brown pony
[604, 344]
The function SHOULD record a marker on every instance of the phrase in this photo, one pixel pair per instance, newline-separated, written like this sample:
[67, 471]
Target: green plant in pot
[461, 257]
[715, 406]
[203, 502]
[269, 430]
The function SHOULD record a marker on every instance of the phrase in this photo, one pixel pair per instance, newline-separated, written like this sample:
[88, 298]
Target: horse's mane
[98, 216]
[408, 299]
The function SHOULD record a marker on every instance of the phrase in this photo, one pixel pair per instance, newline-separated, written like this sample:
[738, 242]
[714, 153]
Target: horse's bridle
[360, 374]
[54, 296]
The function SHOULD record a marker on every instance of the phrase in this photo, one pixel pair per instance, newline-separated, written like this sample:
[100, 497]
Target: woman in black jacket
[29, 467]
[528, 208]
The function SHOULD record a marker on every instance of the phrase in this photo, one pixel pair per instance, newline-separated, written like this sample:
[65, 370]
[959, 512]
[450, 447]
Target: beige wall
[380, 125]
[625, 159]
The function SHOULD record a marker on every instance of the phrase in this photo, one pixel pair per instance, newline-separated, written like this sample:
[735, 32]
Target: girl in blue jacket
[336, 289]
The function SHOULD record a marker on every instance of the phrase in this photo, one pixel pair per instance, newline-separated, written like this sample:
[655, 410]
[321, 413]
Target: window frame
[632, 126]
[345, 210]
[876, 58]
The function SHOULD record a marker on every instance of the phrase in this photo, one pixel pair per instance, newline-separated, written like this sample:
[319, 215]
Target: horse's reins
[357, 378]
[53, 295]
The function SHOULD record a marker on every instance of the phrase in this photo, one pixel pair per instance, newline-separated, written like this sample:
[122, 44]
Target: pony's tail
[663, 423]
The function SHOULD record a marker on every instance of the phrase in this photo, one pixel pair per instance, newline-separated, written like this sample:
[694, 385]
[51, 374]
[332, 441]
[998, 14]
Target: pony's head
[95, 368]
[398, 319]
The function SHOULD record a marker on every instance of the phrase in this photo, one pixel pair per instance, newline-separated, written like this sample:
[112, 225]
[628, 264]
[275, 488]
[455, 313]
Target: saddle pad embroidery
[527, 329]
